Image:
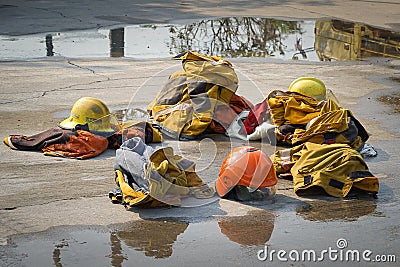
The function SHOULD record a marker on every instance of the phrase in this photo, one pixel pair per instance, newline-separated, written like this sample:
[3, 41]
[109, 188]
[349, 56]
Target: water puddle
[232, 37]
[218, 239]
[324, 211]
[161, 242]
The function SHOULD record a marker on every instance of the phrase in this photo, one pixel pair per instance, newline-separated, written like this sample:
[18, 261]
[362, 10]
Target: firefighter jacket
[300, 119]
[290, 111]
[332, 125]
[292, 108]
[333, 168]
[77, 144]
[185, 106]
[148, 177]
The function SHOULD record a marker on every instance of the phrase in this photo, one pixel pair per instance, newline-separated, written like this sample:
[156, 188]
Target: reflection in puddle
[167, 241]
[343, 40]
[153, 238]
[228, 37]
[117, 42]
[336, 210]
[238, 37]
[254, 229]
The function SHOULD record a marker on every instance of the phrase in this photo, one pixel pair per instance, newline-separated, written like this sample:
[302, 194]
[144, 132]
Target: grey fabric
[131, 158]
[172, 92]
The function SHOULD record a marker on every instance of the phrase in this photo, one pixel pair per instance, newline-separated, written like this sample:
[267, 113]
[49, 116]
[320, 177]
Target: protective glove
[236, 129]
[264, 131]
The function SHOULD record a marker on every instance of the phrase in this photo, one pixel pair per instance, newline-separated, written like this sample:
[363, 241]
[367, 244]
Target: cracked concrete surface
[30, 180]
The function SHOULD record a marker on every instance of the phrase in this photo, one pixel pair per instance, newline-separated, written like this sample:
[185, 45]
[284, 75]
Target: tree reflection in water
[234, 36]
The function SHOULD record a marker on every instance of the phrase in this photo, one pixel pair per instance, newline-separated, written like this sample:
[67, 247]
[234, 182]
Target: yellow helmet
[309, 86]
[89, 111]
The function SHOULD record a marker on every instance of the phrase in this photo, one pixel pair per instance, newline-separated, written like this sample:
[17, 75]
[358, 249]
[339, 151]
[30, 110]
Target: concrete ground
[39, 192]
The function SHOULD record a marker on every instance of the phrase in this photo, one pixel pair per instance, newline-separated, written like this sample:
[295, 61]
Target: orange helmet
[247, 166]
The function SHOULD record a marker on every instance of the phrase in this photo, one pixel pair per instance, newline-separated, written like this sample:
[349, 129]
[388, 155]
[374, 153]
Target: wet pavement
[231, 37]
[243, 37]
[56, 211]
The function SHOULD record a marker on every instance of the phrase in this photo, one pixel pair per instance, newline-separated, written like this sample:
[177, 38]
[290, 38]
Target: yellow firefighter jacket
[159, 181]
[332, 125]
[333, 168]
[318, 122]
[292, 108]
[184, 107]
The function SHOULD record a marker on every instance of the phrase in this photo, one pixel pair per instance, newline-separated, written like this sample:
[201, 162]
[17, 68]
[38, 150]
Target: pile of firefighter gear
[148, 177]
[200, 98]
[327, 143]
[82, 135]
[87, 132]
